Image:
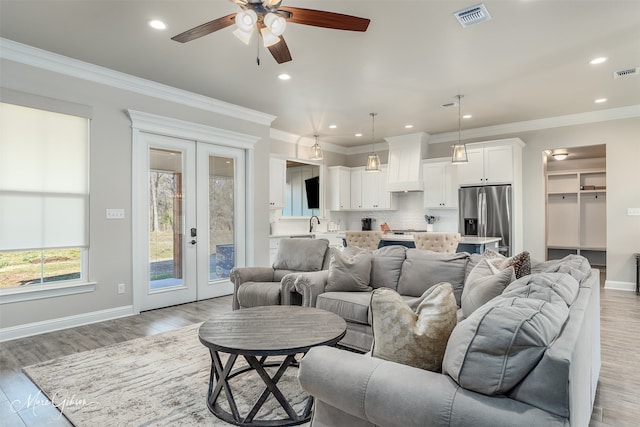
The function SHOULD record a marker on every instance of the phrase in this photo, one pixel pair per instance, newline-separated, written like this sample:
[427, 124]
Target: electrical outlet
[633, 211]
[115, 213]
[121, 288]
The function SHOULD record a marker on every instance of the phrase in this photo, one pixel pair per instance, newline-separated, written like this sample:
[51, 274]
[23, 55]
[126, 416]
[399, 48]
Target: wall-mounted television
[312, 185]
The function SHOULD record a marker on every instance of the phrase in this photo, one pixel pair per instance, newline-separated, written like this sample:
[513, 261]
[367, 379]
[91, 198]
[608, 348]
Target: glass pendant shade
[246, 20]
[268, 38]
[244, 36]
[275, 23]
[373, 163]
[459, 154]
[316, 151]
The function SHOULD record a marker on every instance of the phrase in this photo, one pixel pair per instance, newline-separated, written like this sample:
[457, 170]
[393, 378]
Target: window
[44, 196]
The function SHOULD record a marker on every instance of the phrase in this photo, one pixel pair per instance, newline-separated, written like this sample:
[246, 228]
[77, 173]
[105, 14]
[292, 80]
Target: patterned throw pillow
[417, 338]
[521, 263]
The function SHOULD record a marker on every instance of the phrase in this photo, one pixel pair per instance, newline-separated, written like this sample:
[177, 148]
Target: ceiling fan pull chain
[258, 51]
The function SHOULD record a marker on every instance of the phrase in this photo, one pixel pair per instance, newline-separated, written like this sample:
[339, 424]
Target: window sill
[34, 292]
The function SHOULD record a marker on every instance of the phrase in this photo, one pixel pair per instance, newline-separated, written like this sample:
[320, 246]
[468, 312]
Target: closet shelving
[576, 214]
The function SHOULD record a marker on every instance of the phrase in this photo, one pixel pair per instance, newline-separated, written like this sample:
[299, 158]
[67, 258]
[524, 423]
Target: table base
[219, 381]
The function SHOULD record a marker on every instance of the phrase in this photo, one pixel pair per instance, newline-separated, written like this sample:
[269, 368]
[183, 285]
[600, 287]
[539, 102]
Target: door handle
[193, 242]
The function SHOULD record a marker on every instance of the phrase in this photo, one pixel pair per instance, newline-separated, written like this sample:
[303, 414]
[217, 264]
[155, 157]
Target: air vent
[472, 15]
[626, 73]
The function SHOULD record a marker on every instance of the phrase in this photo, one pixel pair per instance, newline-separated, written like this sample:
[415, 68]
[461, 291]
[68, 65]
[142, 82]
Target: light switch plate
[115, 213]
[633, 211]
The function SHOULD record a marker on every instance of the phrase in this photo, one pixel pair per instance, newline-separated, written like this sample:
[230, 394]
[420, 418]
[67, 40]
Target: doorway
[191, 225]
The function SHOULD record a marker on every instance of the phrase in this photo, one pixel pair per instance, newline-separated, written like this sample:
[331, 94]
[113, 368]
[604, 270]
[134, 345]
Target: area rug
[160, 380]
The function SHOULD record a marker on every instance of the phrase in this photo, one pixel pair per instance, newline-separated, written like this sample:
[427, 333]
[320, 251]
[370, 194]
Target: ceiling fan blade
[204, 29]
[320, 18]
[280, 51]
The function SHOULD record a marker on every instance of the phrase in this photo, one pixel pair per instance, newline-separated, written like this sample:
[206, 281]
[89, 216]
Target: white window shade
[44, 184]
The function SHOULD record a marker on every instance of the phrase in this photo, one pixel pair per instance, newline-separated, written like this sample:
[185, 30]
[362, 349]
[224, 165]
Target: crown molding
[291, 138]
[540, 124]
[50, 61]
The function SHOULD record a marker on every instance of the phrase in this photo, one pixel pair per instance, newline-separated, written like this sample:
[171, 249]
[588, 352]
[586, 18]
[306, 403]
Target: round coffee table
[257, 334]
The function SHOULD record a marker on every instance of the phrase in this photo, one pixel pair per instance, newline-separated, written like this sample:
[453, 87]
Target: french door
[194, 228]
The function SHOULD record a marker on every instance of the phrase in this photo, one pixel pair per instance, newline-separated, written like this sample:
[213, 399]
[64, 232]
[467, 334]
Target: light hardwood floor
[617, 399]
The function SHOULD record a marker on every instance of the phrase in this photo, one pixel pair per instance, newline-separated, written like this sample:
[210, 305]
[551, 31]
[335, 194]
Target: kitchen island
[471, 244]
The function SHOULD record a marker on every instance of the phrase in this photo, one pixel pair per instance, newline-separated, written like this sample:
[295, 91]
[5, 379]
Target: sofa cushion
[349, 272]
[351, 306]
[301, 254]
[423, 269]
[501, 342]
[484, 283]
[550, 287]
[386, 265]
[416, 338]
[575, 265]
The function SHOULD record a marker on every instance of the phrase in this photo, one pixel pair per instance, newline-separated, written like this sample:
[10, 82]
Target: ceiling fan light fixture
[243, 36]
[268, 38]
[275, 23]
[246, 20]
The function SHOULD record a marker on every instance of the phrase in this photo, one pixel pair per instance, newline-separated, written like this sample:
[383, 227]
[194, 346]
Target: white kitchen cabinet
[440, 184]
[487, 165]
[339, 188]
[368, 190]
[277, 178]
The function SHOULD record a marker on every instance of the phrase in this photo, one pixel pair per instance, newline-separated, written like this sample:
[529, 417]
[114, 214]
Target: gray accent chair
[260, 286]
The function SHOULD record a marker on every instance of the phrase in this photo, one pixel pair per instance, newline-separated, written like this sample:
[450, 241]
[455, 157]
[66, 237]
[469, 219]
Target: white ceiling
[530, 61]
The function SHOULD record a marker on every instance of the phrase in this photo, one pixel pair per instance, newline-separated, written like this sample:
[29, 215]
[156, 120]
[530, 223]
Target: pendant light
[373, 161]
[316, 151]
[459, 155]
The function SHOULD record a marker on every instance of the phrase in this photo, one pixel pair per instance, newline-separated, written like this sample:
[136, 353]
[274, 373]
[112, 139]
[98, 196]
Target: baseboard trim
[36, 328]
[619, 286]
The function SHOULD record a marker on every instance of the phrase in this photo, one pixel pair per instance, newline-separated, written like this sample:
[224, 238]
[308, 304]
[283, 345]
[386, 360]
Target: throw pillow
[349, 272]
[521, 263]
[301, 254]
[550, 287]
[386, 266]
[492, 350]
[413, 338]
[484, 283]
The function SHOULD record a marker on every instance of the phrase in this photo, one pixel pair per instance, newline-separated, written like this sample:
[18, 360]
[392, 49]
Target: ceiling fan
[270, 20]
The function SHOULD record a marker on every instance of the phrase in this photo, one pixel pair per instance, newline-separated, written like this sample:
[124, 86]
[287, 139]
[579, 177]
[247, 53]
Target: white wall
[110, 255]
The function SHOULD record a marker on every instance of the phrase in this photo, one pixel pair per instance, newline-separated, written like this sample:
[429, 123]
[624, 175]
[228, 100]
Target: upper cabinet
[488, 165]
[277, 178]
[339, 188]
[355, 189]
[440, 184]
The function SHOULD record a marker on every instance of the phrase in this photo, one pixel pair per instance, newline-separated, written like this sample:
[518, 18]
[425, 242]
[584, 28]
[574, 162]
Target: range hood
[405, 162]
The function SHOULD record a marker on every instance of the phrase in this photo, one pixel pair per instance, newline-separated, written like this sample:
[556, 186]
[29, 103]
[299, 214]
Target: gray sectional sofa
[496, 372]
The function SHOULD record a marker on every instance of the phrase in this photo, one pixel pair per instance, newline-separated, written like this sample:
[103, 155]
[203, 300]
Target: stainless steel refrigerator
[487, 212]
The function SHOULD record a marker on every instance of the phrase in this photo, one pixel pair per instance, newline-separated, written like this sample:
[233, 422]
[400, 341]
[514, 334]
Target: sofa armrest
[240, 275]
[288, 288]
[381, 392]
[389, 394]
[310, 285]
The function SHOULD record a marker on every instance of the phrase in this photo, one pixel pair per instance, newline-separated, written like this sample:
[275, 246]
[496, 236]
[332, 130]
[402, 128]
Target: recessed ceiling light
[467, 116]
[600, 100]
[284, 76]
[358, 134]
[157, 24]
[599, 60]
[408, 126]
[333, 126]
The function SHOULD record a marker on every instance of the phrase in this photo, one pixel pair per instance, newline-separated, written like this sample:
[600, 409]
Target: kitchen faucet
[311, 222]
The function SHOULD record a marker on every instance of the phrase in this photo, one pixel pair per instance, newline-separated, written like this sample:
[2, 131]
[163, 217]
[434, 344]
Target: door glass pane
[166, 238]
[221, 209]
